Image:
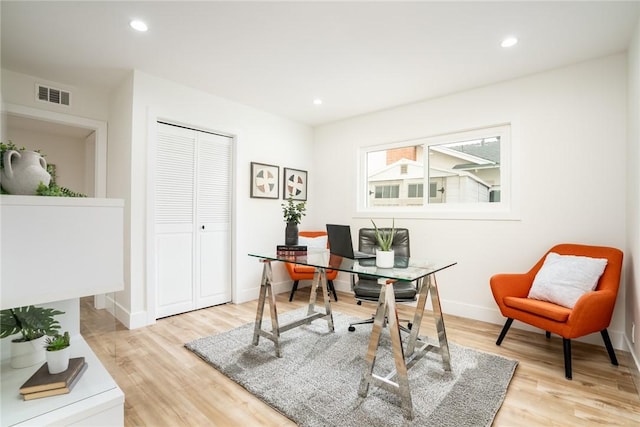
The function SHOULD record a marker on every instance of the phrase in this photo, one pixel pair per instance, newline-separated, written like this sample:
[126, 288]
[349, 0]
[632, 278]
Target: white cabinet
[96, 400]
[192, 219]
[57, 248]
[54, 249]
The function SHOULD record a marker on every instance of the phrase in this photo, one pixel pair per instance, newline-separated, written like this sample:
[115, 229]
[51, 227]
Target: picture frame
[265, 181]
[294, 184]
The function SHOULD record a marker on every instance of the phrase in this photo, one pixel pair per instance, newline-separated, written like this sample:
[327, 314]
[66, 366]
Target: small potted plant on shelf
[293, 213]
[58, 352]
[33, 323]
[384, 252]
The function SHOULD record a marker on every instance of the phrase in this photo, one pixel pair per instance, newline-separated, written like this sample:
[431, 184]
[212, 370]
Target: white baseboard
[492, 315]
[128, 319]
[252, 294]
[635, 373]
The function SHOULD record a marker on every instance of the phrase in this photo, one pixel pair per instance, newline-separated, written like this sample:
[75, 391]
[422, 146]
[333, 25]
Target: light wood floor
[167, 385]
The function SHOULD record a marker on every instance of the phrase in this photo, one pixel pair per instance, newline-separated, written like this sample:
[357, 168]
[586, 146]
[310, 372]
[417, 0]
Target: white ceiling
[358, 57]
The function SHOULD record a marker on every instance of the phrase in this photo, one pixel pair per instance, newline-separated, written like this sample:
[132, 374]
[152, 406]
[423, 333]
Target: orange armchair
[591, 313]
[303, 272]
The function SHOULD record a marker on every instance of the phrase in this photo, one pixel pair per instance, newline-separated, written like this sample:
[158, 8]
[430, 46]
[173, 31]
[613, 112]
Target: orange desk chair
[591, 313]
[304, 272]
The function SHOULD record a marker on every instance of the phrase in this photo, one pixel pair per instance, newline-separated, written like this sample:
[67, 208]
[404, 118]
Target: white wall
[89, 110]
[85, 102]
[119, 179]
[632, 252]
[569, 145]
[260, 137]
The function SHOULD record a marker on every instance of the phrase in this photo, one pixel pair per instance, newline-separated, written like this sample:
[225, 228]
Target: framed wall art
[264, 181]
[295, 184]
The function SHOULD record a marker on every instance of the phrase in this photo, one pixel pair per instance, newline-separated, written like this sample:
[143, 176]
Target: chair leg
[362, 322]
[506, 327]
[332, 289]
[566, 344]
[607, 344]
[293, 290]
[370, 320]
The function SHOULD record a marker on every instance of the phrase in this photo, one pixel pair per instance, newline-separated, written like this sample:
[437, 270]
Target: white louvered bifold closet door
[192, 219]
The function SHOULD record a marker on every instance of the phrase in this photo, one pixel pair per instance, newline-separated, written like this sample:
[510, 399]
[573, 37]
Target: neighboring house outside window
[466, 168]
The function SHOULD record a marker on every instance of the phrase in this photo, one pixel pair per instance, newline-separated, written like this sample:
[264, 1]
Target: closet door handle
[203, 227]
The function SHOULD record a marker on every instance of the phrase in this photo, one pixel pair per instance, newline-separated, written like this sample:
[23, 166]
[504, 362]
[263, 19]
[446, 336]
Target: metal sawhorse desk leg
[267, 296]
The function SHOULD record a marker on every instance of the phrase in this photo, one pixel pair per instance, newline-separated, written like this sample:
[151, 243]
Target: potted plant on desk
[384, 252]
[58, 352]
[293, 213]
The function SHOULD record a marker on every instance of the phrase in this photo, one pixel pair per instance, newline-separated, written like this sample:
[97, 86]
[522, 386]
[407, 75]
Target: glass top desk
[410, 269]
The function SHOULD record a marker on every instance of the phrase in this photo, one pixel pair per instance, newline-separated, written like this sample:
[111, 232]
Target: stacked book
[291, 250]
[43, 384]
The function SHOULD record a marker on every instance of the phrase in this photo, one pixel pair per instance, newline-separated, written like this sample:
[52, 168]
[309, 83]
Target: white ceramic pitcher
[23, 171]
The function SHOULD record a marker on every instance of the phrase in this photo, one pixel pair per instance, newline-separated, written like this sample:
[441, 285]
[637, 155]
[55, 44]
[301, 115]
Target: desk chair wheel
[352, 328]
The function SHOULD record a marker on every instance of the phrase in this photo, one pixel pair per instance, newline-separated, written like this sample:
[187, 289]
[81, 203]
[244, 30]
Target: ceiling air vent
[53, 95]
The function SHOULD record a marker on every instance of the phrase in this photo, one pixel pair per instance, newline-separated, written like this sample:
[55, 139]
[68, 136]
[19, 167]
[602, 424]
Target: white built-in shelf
[58, 248]
[96, 399]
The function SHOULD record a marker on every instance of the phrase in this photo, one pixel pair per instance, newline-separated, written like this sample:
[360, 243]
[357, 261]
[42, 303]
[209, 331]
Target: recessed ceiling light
[138, 25]
[317, 101]
[509, 41]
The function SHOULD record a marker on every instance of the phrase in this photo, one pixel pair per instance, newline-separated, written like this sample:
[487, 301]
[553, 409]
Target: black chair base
[566, 347]
[332, 289]
[352, 326]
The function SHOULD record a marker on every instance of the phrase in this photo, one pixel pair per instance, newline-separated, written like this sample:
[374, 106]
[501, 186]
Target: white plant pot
[27, 353]
[58, 361]
[384, 259]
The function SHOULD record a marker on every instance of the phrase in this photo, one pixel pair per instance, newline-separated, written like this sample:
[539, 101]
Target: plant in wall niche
[293, 212]
[54, 189]
[385, 238]
[47, 180]
[7, 147]
[30, 321]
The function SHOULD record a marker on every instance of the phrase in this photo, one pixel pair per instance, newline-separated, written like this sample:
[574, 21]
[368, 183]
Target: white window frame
[506, 209]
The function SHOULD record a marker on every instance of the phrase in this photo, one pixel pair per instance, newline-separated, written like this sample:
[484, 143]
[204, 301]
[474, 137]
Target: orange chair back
[303, 272]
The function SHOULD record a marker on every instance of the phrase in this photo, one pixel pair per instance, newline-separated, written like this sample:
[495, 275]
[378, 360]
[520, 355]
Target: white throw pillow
[319, 242]
[563, 279]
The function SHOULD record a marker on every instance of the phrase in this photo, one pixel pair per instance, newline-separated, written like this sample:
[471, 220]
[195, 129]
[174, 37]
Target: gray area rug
[316, 381]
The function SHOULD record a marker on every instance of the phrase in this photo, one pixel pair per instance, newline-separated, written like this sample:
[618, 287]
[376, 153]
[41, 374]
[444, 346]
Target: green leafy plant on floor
[58, 342]
[31, 321]
[384, 237]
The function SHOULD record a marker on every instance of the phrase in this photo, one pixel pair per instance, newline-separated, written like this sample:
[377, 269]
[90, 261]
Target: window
[415, 190]
[465, 171]
[387, 191]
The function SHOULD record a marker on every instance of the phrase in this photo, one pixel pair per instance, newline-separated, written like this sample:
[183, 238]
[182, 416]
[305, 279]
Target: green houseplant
[33, 323]
[293, 213]
[58, 351]
[385, 239]
[384, 252]
[58, 342]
